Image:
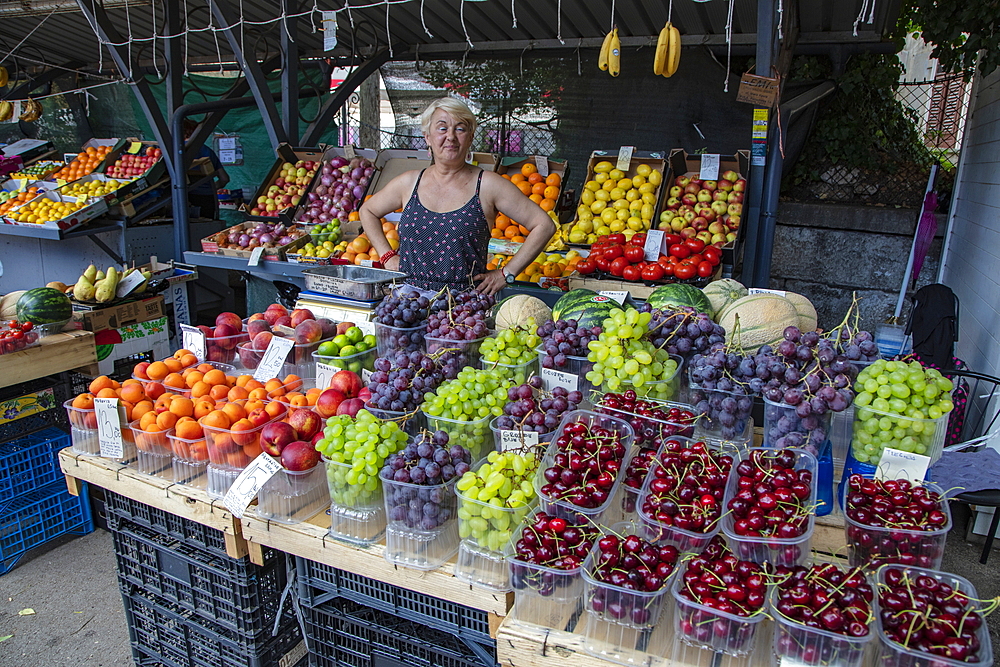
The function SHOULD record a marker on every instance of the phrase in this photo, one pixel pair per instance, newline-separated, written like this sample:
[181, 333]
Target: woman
[444, 230]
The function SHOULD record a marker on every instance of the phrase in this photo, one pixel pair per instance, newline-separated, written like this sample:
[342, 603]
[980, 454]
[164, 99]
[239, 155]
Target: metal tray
[354, 282]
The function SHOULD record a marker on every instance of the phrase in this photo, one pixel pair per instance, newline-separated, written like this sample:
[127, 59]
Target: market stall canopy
[53, 32]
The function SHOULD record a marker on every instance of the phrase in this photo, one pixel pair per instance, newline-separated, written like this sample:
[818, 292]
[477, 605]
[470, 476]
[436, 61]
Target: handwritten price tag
[709, 167]
[109, 427]
[129, 283]
[625, 157]
[274, 356]
[761, 290]
[553, 378]
[323, 374]
[655, 245]
[897, 464]
[193, 339]
[617, 296]
[542, 164]
[249, 482]
[517, 440]
[366, 375]
[349, 152]
[255, 256]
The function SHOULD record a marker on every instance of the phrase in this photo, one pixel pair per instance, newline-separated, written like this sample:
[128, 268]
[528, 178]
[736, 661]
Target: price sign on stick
[517, 440]
[193, 339]
[897, 464]
[323, 374]
[274, 356]
[255, 256]
[542, 164]
[655, 245]
[616, 295]
[129, 283]
[625, 157]
[249, 482]
[709, 167]
[553, 378]
[109, 427]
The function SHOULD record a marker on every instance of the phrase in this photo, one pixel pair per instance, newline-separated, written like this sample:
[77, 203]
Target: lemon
[617, 193]
[648, 198]
[603, 167]
[577, 236]
[593, 186]
[616, 226]
[620, 205]
[638, 181]
[602, 195]
[608, 185]
[587, 197]
[628, 234]
[646, 212]
[655, 177]
[601, 179]
[647, 187]
[632, 195]
[608, 215]
[643, 170]
[585, 215]
[603, 230]
[635, 224]
[625, 183]
[591, 238]
[585, 226]
[622, 214]
[616, 174]
[598, 206]
[635, 206]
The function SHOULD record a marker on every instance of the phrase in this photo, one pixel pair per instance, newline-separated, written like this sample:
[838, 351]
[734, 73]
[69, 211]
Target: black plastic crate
[187, 531]
[342, 633]
[319, 583]
[31, 406]
[30, 461]
[163, 634]
[235, 594]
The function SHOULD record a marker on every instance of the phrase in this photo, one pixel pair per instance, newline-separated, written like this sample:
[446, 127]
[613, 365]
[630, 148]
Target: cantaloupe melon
[8, 305]
[805, 309]
[763, 318]
[723, 292]
[514, 311]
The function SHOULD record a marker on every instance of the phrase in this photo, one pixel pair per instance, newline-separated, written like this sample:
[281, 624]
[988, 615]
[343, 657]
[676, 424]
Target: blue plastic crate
[35, 517]
[30, 462]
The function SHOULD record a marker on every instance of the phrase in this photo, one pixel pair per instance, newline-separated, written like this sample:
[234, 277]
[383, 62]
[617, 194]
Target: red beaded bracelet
[387, 256]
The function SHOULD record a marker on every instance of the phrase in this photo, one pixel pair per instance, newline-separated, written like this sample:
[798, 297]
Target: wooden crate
[55, 354]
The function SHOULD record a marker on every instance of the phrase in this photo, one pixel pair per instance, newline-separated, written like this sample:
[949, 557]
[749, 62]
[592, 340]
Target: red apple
[705, 236]
[275, 436]
[699, 223]
[682, 181]
[709, 185]
[299, 456]
[691, 189]
[725, 186]
[283, 321]
[719, 195]
[740, 185]
[673, 202]
[679, 223]
[735, 198]
[704, 195]
[346, 382]
[328, 402]
[719, 207]
[688, 232]
[305, 422]
[689, 199]
[350, 407]
[730, 176]
[676, 191]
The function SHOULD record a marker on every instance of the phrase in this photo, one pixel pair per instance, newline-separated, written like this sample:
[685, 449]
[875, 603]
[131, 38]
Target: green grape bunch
[623, 359]
[495, 498]
[355, 450]
[463, 407]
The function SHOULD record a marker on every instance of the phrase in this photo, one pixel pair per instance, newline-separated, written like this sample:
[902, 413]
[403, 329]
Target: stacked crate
[355, 621]
[189, 604]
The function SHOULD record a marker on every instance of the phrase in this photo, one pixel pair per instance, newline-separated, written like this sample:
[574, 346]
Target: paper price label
[128, 284]
[617, 296]
[542, 164]
[349, 152]
[134, 147]
[655, 245]
[553, 378]
[249, 482]
[517, 440]
[323, 374]
[761, 290]
[625, 157]
[109, 427]
[897, 464]
[367, 262]
[329, 30]
[274, 356]
[193, 339]
[709, 167]
[227, 143]
[367, 328]
[255, 256]
[366, 375]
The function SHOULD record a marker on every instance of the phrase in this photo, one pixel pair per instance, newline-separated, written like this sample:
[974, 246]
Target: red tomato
[603, 263]
[695, 259]
[652, 272]
[712, 254]
[672, 239]
[684, 271]
[679, 251]
[696, 245]
[705, 269]
[614, 252]
[586, 266]
[638, 239]
[634, 253]
[617, 239]
[633, 273]
[668, 270]
[618, 266]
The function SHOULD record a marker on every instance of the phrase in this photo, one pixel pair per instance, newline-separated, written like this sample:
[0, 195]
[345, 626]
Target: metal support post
[290, 71]
[341, 95]
[173, 50]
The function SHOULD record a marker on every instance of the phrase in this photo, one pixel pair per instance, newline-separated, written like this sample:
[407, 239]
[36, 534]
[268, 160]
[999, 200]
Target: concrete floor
[78, 621]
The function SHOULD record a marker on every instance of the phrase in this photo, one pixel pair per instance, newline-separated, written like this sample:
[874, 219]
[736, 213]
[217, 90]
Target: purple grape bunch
[404, 308]
[532, 409]
[417, 492]
[683, 331]
[562, 339]
[400, 380]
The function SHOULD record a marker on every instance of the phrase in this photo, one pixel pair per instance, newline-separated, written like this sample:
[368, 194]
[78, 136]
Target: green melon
[763, 318]
[723, 292]
[587, 307]
[677, 295]
[515, 310]
[44, 305]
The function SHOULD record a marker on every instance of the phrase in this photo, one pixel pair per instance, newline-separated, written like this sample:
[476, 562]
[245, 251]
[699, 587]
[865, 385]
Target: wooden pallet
[179, 499]
[56, 353]
[311, 540]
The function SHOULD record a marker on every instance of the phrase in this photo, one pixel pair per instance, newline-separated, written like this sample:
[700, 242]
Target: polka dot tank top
[443, 249]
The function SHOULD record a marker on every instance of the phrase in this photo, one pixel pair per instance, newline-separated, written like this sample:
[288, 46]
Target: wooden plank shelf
[184, 501]
[56, 353]
[311, 540]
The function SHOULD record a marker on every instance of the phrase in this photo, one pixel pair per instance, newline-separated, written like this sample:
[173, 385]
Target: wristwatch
[506, 276]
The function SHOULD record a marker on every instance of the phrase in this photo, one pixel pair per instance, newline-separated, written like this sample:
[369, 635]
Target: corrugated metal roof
[62, 37]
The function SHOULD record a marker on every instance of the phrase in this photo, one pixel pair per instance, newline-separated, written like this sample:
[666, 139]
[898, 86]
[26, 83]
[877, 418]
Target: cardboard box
[392, 162]
[285, 153]
[209, 244]
[152, 175]
[118, 349]
[71, 221]
[330, 153]
[99, 318]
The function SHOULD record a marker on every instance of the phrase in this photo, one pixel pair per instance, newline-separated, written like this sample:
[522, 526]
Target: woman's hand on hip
[492, 282]
[393, 263]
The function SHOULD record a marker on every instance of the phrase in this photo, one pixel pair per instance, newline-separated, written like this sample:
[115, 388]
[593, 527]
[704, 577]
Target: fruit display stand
[57, 353]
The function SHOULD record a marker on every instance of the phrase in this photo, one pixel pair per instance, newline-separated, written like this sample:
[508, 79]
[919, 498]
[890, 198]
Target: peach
[300, 315]
[231, 319]
[328, 326]
[262, 340]
[308, 331]
[254, 327]
[283, 321]
[305, 422]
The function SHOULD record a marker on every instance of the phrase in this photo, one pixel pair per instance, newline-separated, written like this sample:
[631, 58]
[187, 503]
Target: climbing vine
[960, 30]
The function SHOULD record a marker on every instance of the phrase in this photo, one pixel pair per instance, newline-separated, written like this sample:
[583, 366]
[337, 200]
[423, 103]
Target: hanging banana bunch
[6, 111]
[602, 60]
[668, 51]
[3, 77]
[32, 111]
[615, 54]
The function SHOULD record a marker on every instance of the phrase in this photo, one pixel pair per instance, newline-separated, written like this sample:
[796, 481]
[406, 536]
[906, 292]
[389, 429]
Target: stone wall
[827, 251]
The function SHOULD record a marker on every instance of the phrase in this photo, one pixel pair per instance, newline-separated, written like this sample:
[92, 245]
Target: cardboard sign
[193, 339]
[655, 245]
[255, 256]
[128, 284]
[553, 378]
[274, 357]
[617, 296]
[109, 427]
[897, 464]
[249, 482]
[709, 167]
[542, 164]
[625, 157]
[517, 440]
[761, 290]
[367, 262]
[323, 374]
[761, 91]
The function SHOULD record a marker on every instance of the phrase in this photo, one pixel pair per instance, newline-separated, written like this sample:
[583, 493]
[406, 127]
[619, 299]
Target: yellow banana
[615, 55]
[6, 111]
[3, 77]
[660, 59]
[673, 52]
[602, 60]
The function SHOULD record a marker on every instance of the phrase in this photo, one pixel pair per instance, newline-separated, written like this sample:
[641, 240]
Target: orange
[518, 178]
[215, 376]
[502, 221]
[553, 179]
[551, 270]
[547, 204]
[510, 232]
[200, 389]
[219, 392]
[107, 393]
[528, 168]
[237, 393]
[496, 234]
[99, 383]
[217, 419]
[132, 393]
[166, 420]
[84, 402]
[538, 189]
[523, 186]
[535, 178]
[507, 176]
[203, 407]
[518, 239]
[157, 370]
[524, 230]
[182, 407]
[235, 411]
[551, 192]
[537, 198]
[188, 429]
[175, 380]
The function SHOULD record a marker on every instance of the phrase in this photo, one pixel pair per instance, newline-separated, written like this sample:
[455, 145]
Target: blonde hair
[455, 107]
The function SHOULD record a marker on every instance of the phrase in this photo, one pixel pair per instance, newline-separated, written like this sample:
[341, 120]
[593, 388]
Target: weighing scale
[339, 309]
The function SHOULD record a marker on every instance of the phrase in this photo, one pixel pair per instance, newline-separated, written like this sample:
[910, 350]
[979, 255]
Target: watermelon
[676, 295]
[587, 307]
[44, 305]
